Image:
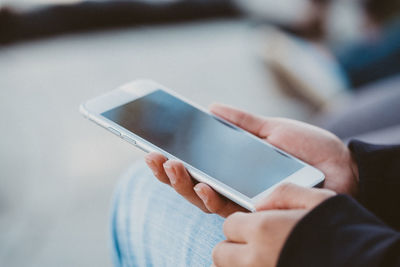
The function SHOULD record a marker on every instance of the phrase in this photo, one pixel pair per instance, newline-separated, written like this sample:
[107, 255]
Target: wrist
[354, 170]
[354, 167]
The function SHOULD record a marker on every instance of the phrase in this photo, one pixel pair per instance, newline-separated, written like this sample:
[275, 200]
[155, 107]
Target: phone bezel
[307, 176]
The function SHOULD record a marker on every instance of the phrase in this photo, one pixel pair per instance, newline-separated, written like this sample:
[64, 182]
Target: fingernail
[200, 193]
[149, 162]
[167, 165]
[171, 172]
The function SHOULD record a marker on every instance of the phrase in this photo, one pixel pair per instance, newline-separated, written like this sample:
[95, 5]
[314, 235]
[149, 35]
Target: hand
[311, 144]
[256, 239]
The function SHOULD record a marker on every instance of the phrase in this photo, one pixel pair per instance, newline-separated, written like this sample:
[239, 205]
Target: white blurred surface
[27, 4]
[282, 11]
[58, 170]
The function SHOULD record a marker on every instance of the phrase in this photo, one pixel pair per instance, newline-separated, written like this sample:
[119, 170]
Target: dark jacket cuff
[379, 179]
[339, 232]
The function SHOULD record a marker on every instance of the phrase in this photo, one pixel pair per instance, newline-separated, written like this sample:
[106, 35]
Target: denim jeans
[154, 226]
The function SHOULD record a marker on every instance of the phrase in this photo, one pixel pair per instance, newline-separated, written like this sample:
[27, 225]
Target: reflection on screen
[205, 142]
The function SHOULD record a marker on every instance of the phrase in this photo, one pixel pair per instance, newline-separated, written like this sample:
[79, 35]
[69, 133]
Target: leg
[154, 226]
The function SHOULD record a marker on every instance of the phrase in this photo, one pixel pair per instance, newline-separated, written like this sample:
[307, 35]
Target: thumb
[291, 196]
[256, 125]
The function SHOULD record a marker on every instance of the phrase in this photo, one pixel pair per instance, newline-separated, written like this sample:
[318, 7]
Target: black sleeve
[379, 185]
[340, 232]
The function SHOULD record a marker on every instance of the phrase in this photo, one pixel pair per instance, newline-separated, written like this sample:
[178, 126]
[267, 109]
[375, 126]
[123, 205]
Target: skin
[256, 239]
[299, 139]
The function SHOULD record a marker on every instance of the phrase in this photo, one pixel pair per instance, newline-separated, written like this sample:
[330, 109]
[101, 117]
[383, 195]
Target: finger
[181, 181]
[291, 196]
[227, 254]
[237, 227]
[254, 124]
[155, 162]
[215, 202]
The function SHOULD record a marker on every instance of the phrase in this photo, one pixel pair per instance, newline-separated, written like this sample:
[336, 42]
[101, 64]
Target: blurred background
[333, 63]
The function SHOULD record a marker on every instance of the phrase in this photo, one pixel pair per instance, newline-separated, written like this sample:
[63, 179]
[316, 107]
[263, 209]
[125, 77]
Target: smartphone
[235, 163]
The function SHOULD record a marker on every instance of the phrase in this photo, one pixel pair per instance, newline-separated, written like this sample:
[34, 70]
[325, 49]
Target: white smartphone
[232, 161]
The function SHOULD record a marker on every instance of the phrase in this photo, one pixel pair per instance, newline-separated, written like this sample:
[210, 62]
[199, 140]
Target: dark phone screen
[205, 142]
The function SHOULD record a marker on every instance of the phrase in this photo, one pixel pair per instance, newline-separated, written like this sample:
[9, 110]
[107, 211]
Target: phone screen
[205, 142]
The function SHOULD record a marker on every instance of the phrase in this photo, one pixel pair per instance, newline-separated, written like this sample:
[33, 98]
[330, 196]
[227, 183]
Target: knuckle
[249, 259]
[241, 117]
[283, 188]
[162, 178]
[182, 189]
[258, 226]
[231, 219]
[236, 215]
[216, 252]
[263, 224]
[277, 196]
[159, 175]
[226, 225]
[215, 206]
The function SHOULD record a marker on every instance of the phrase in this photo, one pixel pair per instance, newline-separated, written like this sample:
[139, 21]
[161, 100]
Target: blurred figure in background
[341, 58]
[363, 36]
[377, 55]
[371, 64]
